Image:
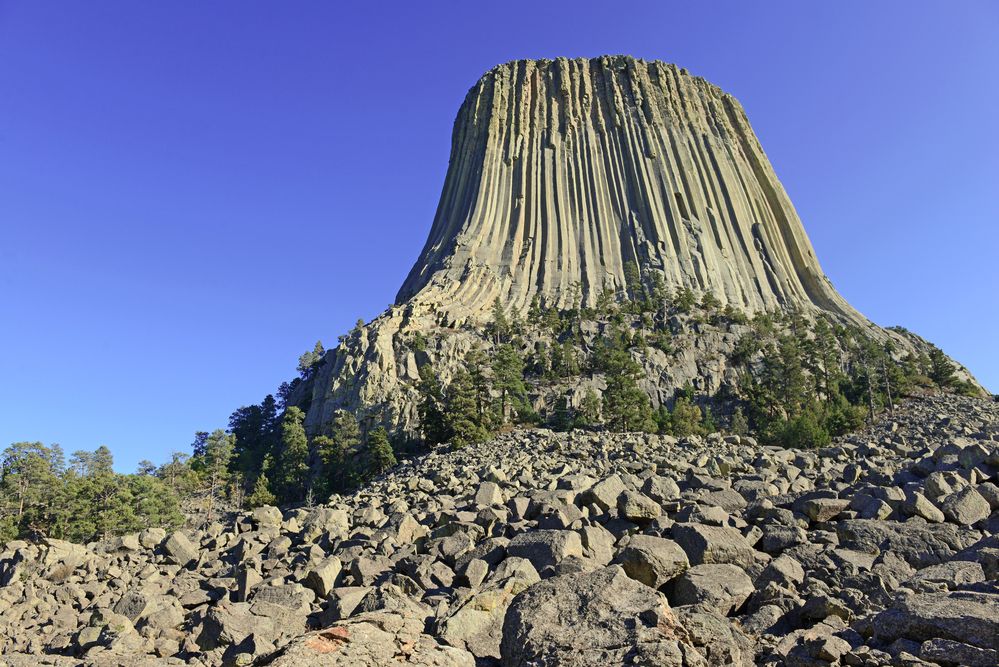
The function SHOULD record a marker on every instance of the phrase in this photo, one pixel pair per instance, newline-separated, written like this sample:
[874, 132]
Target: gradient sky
[191, 193]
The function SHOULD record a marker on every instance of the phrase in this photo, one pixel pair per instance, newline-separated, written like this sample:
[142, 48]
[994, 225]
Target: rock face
[562, 171]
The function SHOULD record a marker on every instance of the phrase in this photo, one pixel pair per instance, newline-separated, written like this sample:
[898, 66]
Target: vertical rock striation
[563, 171]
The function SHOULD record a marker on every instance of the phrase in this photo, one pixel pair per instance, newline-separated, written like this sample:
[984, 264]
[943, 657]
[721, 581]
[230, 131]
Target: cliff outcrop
[573, 179]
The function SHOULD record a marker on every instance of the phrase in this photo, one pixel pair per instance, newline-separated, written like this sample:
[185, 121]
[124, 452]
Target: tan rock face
[563, 171]
[561, 174]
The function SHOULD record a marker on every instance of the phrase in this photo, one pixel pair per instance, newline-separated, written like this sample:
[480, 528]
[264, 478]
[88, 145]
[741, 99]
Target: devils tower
[563, 173]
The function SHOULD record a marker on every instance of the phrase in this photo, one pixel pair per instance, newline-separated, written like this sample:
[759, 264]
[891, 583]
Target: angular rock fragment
[592, 620]
[723, 588]
[654, 561]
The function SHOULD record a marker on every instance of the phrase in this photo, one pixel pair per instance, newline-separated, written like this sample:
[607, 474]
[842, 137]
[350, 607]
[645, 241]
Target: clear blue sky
[191, 193]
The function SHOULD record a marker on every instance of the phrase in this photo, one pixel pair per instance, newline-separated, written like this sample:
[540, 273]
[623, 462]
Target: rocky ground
[542, 548]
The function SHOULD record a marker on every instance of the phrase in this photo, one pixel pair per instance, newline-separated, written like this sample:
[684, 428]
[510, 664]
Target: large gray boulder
[596, 619]
[374, 639]
[179, 550]
[966, 617]
[965, 507]
[723, 588]
[713, 544]
[947, 652]
[604, 493]
[545, 548]
[322, 576]
[637, 507]
[477, 623]
[654, 561]
[918, 545]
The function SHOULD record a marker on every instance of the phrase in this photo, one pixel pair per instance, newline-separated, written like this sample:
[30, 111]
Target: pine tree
[293, 465]
[111, 504]
[463, 423]
[709, 301]
[534, 313]
[626, 407]
[738, 425]
[257, 431]
[308, 362]
[708, 423]
[178, 475]
[29, 477]
[561, 417]
[261, 494]
[219, 448]
[685, 300]
[79, 462]
[822, 360]
[941, 369]
[344, 441]
[588, 414]
[606, 302]
[501, 324]
[431, 407]
[565, 362]
[475, 363]
[636, 289]
[805, 431]
[379, 451]
[346, 431]
[508, 378]
[101, 461]
[686, 418]
[154, 504]
[330, 459]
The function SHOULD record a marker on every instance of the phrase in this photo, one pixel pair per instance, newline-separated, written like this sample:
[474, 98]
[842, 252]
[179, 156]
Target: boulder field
[580, 548]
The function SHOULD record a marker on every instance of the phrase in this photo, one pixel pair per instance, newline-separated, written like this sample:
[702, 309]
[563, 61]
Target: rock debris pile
[543, 548]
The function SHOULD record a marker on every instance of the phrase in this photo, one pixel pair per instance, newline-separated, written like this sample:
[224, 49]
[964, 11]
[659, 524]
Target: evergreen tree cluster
[273, 460]
[43, 496]
[492, 388]
[804, 380]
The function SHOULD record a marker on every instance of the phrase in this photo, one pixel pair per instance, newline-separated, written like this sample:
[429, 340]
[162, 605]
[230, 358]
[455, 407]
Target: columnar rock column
[563, 171]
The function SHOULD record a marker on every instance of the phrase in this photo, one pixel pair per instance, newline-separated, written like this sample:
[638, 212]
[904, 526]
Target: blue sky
[192, 193]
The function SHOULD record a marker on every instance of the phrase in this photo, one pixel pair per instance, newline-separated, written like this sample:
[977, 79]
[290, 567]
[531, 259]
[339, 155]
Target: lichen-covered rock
[713, 544]
[373, 639]
[723, 588]
[592, 620]
[654, 561]
[966, 617]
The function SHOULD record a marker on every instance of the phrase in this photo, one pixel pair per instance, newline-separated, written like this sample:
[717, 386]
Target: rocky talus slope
[580, 548]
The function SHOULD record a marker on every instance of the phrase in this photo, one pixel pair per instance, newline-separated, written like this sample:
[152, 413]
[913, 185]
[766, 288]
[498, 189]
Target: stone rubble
[542, 548]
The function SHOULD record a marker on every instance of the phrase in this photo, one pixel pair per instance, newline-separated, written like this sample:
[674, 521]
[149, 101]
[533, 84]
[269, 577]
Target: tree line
[84, 499]
[803, 380]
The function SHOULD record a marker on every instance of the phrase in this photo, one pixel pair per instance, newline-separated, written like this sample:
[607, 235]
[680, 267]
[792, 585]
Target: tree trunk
[884, 373]
[211, 497]
[870, 391]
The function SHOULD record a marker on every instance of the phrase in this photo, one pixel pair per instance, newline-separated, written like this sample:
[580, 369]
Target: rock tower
[563, 171]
